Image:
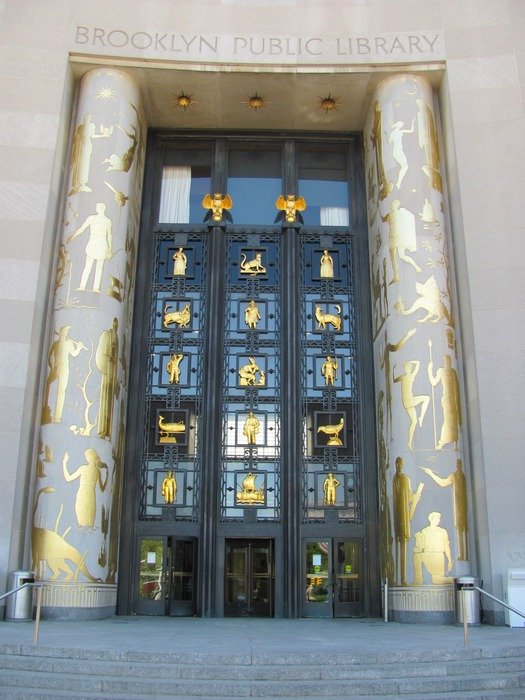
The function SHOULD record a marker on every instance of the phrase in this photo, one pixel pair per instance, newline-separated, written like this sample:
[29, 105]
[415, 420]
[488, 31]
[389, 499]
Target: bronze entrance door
[166, 576]
[333, 578]
[249, 580]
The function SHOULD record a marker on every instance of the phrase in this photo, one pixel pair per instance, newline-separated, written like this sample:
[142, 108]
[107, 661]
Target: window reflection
[323, 182]
[254, 183]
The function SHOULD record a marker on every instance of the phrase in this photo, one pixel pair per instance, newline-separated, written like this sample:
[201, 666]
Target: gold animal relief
[290, 205]
[327, 319]
[181, 317]
[332, 431]
[216, 204]
[168, 431]
[252, 267]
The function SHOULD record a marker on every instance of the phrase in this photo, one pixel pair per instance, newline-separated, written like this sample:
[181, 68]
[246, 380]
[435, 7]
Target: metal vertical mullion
[212, 409]
[291, 502]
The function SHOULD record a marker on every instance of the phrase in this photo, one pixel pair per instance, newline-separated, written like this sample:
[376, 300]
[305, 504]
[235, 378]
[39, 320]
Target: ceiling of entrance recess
[219, 97]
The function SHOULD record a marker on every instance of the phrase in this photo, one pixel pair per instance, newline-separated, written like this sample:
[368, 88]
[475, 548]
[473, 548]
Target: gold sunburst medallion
[328, 103]
[184, 101]
[255, 102]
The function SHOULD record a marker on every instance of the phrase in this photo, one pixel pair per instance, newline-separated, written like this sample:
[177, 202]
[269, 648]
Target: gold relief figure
[180, 262]
[216, 205]
[289, 206]
[249, 493]
[63, 266]
[181, 317]
[402, 237]
[396, 139]
[98, 248]
[427, 216]
[248, 374]
[326, 266]
[332, 431]
[428, 141]
[323, 319]
[58, 362]
[386, 539]
[81, 153]
[251, 428]
[376, 137]
[252, 315]
[451, 340]
[330, 490]
[124, 162]
[120, 197]
[450, 402]
[168, 431]
[45, 456]
[459, 488]
[89, 475]
[429, 300]
[431, 548]
[48, 547]
[404, 502]
[169, 488]
[411, 402]
[115, 288]
[173, 367]
[384, 290]
[384, 361]
[252, 267]
[329, 370]
[107, 359]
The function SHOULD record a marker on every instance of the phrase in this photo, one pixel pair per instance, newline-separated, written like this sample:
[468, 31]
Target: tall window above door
[186, 179]
[254, 182]
[323, 182]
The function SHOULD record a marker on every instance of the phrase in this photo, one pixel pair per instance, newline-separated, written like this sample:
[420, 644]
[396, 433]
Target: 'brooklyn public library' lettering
[229, 47]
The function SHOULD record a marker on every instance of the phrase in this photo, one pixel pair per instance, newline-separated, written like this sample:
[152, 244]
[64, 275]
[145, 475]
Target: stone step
[320, 671]
[149, 687]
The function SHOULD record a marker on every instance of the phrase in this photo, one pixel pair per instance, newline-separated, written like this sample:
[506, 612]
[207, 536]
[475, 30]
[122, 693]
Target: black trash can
[466, 594]
[19, 605]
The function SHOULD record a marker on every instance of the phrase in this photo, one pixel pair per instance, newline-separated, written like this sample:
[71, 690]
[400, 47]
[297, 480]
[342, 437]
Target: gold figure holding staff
[252, 315]
[450, 402]
[405, 502]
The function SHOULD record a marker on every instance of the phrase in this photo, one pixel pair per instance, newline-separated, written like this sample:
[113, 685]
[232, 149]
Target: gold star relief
[328, 103]
[255, 102]
[184, 101]
[105, 93]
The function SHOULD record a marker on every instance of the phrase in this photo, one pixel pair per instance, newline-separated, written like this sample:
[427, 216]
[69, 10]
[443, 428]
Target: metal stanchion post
[37, 616]
[464, 610]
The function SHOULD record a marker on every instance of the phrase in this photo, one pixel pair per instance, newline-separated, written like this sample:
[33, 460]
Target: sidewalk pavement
[244, 638]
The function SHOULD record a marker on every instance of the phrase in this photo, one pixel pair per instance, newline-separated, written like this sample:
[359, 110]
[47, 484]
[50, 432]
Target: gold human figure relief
[169, 488]
[332, 431]
[376, 137]
[249, 493]
[216, 204]
[82, 151]
[450, 402]
[384, 360]
[252, 267]
[289, 206]
[252, 315]
[106, 360]
[428, 141]
[89, 475]
[98, 248]
[248, 374]
[181, 317]
[431, 548]
[251, 428]
[326, 265]
[115, 288]
[428, 216]
[402, 237]
[404, 501]
[180, 262]
[324, 319]
[330, 490]
[385, 522]
[451, 340]
[58, 362]
[430, 300]
[329, 370]
[396, 139]
[124, 162]
[411, 402]
[458, 482]
[45, 456]
[169, 431]
[48, 547]
[173, 367]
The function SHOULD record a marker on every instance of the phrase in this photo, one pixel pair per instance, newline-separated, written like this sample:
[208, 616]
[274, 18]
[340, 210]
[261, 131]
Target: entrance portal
[333, 578]
[249, 580]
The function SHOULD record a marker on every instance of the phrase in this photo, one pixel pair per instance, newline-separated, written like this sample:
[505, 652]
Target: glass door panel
[152, 576]
[182, 577]
[318, 579]
[249, 578]
[348, 594]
